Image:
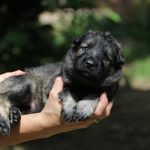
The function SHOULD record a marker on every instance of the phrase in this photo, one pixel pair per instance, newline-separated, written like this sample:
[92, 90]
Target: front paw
[83, 110]
[67, 111]
[14, 116]
[4, 126]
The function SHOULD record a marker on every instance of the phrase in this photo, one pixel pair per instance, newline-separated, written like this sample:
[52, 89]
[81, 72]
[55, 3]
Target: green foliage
[112, 15]
[138, 73]
[136, 51]
[141, 68]
[81, 21]
[26, 41]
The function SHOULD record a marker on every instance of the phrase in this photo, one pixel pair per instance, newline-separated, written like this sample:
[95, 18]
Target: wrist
[41, 126]
[49, 121]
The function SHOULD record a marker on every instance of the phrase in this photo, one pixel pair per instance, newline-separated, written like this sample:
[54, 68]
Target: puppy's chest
[80, 93]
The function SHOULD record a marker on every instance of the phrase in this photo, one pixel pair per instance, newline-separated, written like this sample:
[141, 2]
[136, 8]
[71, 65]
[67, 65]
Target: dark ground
[128, 128]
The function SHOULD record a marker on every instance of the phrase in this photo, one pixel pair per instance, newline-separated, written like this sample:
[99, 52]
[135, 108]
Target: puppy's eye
[83, 47]
[81, 50]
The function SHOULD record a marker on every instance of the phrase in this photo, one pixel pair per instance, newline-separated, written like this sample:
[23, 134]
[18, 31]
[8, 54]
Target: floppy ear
[90, 31]
[76, 41]
[120, 60]
[107, 35]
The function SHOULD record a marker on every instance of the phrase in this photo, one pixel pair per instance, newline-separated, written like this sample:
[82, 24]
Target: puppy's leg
[14, 91]
[69, 104]
[85, 108]
[14, 115]
[4, 116]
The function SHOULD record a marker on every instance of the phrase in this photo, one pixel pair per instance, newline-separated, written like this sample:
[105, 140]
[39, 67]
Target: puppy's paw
[61, 95]
[14, 116]
[67, 116]
[4, 126]
[83, 110]
[67, 111]
[4, 116]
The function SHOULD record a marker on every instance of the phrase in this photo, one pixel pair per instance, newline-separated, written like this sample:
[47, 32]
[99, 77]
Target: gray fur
[91, 66]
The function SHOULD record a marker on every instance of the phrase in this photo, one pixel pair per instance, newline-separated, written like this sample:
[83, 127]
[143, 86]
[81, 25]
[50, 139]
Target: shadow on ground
[128, 128]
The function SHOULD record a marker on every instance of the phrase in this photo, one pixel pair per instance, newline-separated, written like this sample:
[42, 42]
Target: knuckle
[52, 93]
[19, 71]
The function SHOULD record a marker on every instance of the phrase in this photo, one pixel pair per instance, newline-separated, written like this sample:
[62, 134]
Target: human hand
[51, 113]
[9, 74]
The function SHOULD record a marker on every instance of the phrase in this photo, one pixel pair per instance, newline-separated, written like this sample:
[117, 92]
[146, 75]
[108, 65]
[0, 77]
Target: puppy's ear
[107, 35]
[90, 31]
[120, 60]
[76, 41]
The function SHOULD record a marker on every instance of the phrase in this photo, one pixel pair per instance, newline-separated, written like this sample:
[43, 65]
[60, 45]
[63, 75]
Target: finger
[101, 105]
[57, 86]
[18, 72]
[9, 74]
[14, 73]
[53, 105]
[107, 111]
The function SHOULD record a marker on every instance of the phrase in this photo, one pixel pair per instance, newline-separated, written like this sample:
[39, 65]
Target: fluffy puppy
[91, 66]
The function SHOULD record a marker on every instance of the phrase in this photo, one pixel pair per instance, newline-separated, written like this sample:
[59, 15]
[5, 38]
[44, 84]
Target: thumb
[53, 103]
[57, 86]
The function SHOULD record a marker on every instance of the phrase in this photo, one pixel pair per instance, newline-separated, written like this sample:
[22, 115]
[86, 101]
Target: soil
[128, 128]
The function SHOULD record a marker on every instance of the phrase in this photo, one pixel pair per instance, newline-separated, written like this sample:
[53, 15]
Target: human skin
[48, 122]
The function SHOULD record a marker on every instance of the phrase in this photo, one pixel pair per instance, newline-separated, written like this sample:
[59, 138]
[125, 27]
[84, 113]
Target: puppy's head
[93, 59]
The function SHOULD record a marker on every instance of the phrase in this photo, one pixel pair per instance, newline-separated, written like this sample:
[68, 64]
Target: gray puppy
[91, 66]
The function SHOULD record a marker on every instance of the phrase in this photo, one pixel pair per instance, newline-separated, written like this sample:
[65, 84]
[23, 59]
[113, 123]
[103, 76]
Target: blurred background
[39, 31]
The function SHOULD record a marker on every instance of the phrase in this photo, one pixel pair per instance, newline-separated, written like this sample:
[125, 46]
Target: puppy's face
[94, 57]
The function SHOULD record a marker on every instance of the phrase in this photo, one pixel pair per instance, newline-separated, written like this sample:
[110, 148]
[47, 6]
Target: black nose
[90, 63]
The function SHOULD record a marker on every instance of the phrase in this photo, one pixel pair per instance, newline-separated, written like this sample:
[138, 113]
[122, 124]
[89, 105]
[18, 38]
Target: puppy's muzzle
[88, 67]
[90, 63]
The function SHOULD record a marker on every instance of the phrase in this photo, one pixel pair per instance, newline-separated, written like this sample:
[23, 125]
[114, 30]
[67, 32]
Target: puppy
[91, 66]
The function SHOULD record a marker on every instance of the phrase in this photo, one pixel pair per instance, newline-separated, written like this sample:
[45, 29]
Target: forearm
[39, 125]
[33, 127]
[30, 128]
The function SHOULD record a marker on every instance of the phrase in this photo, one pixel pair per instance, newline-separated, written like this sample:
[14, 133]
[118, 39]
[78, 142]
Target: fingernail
[103, 95]
[59, 79]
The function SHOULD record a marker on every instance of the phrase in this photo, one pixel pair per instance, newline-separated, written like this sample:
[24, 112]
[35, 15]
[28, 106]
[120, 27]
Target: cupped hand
[53, 107]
